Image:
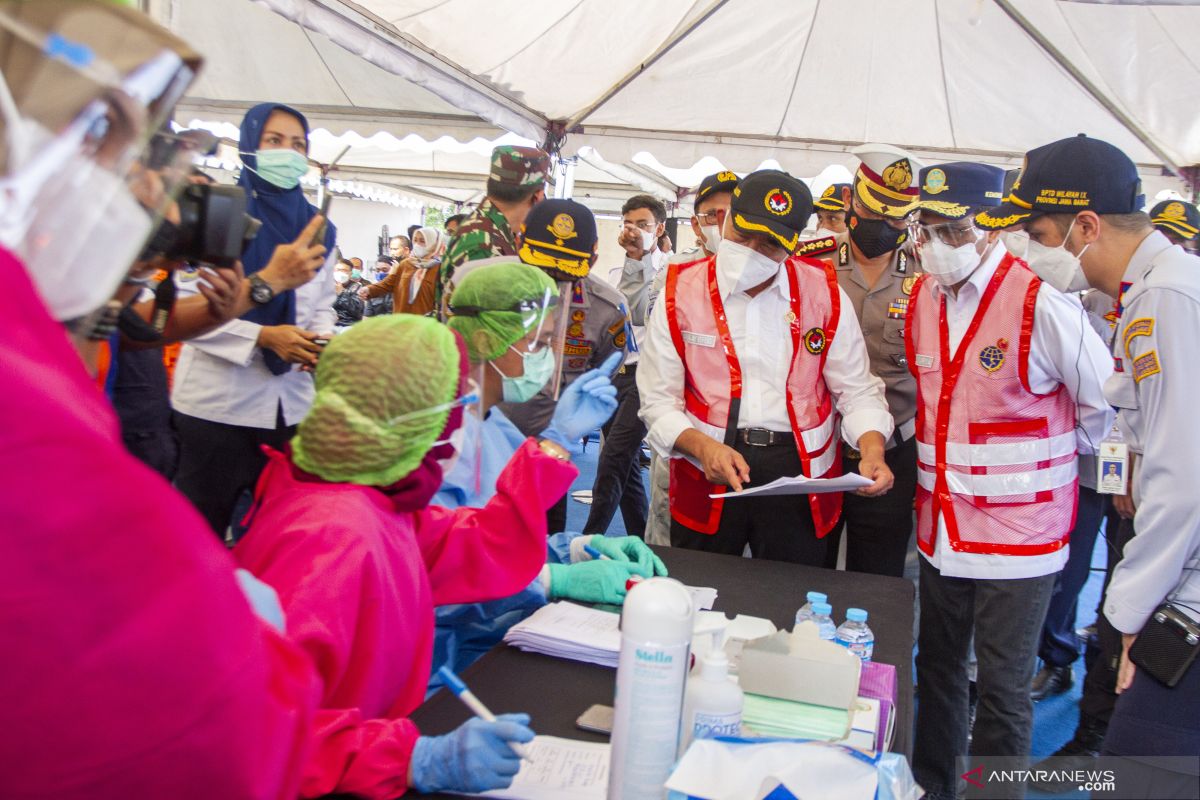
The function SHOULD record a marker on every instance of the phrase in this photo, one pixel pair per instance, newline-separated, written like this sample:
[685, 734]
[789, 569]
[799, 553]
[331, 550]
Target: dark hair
[655, 206]
[411, 230]
[456, 219]
[391, 262]
[507, 193]
[1133, 222]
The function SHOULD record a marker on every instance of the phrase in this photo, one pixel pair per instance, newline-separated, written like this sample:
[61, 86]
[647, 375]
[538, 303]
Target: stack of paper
[566, 630]
[560, 769]
[801, 485]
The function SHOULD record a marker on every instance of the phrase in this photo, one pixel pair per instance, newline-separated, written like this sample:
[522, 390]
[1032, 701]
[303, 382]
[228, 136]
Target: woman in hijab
[238, 388]
[342, 529]
[413, 284]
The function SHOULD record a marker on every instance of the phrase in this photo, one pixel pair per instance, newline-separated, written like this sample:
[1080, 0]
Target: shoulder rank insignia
[844, 254]
[816, 247]
[901, 263]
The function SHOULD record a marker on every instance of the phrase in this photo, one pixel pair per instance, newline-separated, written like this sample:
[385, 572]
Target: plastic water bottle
[855, 636]
[824, 622]
[805, 611]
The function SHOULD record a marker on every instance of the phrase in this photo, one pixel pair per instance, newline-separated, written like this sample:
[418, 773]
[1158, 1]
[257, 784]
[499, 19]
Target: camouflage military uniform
[485, 233]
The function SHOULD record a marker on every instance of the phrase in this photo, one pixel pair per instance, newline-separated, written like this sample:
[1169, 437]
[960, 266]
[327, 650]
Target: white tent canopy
[656, 87]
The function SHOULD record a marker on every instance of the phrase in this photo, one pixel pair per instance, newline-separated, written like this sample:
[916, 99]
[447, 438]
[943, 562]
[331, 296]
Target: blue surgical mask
[538, 368]
[282, 168]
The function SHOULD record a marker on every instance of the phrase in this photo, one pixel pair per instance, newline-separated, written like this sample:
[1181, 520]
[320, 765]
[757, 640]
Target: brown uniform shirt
[881, 311]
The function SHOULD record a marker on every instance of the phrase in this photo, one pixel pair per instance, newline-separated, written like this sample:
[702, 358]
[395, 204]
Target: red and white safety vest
[996, 460]
[713, 381]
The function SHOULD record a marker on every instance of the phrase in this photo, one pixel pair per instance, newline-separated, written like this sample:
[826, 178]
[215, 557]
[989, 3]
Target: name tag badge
[1113, 470]
[699, 339]
[924, 361]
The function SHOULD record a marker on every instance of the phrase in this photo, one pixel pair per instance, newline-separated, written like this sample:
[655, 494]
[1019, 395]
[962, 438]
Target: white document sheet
[560, 769]
[802, 485]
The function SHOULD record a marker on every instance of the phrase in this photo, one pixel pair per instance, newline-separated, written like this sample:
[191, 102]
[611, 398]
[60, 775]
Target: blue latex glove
[591, 581]
[630, 549]
[263, 599]
[475, 757]
[585, 405]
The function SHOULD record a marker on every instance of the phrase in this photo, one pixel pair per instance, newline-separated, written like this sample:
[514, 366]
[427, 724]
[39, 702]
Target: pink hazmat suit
[358, 581]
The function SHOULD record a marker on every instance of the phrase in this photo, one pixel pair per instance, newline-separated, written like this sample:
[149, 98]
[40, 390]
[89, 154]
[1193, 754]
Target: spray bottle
[656, 637]
[712, 704]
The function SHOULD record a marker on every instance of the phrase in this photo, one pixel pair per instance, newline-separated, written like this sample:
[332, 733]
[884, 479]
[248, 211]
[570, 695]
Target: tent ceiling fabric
[799, 81]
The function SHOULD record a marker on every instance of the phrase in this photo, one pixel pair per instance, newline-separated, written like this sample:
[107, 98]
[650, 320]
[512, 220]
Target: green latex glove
[590, 581]
[631, 549]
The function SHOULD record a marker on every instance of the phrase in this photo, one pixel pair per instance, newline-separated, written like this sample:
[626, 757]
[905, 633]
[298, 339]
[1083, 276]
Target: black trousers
[1100, 684]
[619, 471]
[1006, 619]
[878, 529]
[778, 528]
[218, 462]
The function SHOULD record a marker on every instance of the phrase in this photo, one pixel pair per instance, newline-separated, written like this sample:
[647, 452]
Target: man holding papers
[754, 363]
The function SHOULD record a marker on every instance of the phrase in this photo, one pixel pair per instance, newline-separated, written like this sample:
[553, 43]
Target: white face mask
[455, 440]
[712, 237]
[1057, 266]
[949, 265]
[649, 240]
[748, 267]
[341, 277]
[821, 233]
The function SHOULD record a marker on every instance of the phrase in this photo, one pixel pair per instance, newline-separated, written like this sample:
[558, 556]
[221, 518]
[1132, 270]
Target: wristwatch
[553, 449]
[261, 292]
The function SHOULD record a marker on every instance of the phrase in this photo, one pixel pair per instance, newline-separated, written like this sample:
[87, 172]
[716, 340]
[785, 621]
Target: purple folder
[878, 681]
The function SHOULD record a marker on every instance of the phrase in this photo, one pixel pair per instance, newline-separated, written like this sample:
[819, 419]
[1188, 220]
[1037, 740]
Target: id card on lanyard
[1112, 468]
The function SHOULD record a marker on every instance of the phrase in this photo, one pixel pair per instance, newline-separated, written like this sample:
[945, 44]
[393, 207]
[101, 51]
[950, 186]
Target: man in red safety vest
[754, 367]
[1010, 380]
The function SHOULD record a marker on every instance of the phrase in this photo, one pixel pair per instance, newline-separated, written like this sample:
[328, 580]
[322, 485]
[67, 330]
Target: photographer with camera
[238, 388]
[134, 665]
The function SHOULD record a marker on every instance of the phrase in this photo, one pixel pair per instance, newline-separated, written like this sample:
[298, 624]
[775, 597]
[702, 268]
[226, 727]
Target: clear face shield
[84, 85]
[544, 321]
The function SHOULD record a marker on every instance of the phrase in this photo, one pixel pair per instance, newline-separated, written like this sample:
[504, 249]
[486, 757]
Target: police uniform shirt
[634, 280]
[595, 330]
[881, 310]
[1155, 392]
[1064, 350]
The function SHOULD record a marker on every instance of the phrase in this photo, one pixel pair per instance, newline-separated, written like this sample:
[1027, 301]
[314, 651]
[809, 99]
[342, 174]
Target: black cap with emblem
[560, 237]
[773, 204]
[724, 181]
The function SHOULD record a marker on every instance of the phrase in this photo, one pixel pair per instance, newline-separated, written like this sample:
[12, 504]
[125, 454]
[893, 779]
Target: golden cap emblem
[563, 227]
[898, 175]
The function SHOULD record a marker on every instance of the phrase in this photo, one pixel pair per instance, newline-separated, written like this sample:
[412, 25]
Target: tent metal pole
[662, 50]
[1100, 97]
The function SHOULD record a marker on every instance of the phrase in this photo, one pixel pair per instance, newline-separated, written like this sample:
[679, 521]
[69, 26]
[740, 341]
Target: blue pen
[593, 552]
[456, 685]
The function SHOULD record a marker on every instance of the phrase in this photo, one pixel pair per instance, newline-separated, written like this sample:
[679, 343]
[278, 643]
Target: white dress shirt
[1065, 349]
[763, 342]
[642, 273]
[222, 377]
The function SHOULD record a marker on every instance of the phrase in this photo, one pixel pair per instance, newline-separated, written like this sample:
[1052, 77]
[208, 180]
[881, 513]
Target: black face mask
[874, 237]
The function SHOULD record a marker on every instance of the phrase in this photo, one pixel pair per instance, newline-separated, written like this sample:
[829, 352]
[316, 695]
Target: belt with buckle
[761, 437]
